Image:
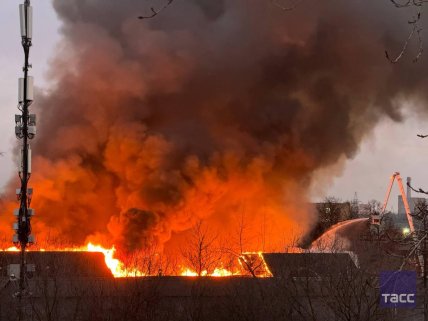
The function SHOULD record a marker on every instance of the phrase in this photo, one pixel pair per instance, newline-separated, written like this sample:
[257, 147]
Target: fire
[255, 264]
[189, 272]
[218, 272]
[12, 249]
[251, 263]
[116, 267]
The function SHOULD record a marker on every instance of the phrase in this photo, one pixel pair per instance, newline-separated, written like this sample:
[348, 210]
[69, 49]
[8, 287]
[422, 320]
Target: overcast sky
[391, 147]
[11, 61]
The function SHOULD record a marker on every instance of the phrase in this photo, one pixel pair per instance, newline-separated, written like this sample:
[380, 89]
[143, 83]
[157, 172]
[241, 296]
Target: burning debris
[255, 264]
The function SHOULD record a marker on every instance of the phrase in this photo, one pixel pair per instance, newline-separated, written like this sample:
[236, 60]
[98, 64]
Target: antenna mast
[25, 130]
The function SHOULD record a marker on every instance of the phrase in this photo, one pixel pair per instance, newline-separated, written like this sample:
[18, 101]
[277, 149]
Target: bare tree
[331, 211]
[411, 248]
[202, 253]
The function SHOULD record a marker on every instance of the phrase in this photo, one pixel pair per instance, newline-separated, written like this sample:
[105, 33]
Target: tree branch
[408, 3]
[415, 31]
[155, 12]
[420, 190]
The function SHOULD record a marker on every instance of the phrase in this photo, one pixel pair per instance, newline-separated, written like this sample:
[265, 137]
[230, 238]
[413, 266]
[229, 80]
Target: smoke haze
[212, 110]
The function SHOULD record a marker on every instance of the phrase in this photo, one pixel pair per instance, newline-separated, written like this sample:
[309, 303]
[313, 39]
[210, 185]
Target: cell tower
[25, 130]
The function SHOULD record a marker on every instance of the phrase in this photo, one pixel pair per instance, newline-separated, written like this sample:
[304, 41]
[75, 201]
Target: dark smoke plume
[210, 109]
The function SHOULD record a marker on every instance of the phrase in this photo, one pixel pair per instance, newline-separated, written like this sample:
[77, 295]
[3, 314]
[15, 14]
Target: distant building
[333, 212]
[413, 201]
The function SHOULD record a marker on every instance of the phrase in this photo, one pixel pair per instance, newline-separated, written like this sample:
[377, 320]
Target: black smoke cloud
[153, 124]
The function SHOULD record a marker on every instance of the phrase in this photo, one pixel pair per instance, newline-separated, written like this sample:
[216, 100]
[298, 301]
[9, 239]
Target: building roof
[308, 264]
[64, 264]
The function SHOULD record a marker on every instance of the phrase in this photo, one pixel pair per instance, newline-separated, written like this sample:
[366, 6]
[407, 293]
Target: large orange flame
[116, 267]
[120, 270]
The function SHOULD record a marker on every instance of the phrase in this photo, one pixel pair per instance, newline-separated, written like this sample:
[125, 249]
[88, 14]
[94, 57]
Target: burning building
[76, 286]
[216, 113]
[185, 145]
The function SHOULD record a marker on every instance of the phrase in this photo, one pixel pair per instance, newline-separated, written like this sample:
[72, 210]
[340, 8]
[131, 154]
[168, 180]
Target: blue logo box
[398, 289]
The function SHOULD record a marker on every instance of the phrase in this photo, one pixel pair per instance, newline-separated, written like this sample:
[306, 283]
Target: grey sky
[11, 61]
[392, 146]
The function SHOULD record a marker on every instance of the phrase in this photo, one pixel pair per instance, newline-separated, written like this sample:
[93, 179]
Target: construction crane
[375, 219]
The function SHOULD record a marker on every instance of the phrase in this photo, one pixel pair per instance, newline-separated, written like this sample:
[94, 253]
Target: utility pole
[25, 130]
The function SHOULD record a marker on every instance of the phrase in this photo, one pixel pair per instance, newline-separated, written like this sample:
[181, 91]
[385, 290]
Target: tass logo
[398, 289]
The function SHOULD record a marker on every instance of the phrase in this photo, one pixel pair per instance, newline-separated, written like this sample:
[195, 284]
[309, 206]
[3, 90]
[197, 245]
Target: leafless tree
[410, 248]
[202, 253]
[147, 261]
[331, 211]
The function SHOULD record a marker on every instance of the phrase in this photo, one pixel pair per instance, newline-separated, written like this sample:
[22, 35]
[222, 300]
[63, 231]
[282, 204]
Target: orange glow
[12, 249]
[249, 263]
[255, 264]
[218, 272]
[189, 272]
[163, 240]
[116, 267]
